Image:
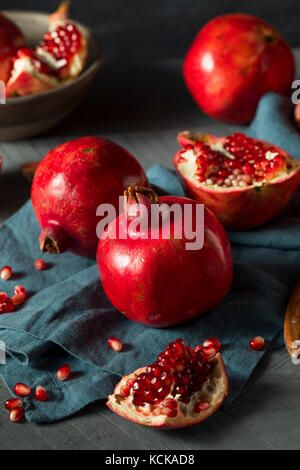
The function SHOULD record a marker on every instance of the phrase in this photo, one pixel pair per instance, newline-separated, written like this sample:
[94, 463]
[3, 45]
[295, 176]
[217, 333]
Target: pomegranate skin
[158, 282]
[11, 39]
[71, 182]
[232, 62]
[242, 208]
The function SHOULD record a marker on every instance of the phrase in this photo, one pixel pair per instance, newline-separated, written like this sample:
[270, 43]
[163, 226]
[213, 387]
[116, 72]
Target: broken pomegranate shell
[244, 181]
[180, 389]
[30, 75]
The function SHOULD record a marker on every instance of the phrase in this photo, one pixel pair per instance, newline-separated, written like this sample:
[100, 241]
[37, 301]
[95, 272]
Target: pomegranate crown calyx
[138, 198]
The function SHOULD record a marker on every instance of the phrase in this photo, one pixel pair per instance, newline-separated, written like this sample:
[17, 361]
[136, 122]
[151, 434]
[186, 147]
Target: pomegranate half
[244, 181]
[71, 182]
[183, 387]
[148, 270]
[233, 61]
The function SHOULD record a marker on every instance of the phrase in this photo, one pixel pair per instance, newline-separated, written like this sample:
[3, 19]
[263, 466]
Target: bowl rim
[92, 68]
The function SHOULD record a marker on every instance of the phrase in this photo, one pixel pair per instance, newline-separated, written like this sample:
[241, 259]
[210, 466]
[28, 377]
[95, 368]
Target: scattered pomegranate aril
[40, 393]
[20, 290]
[6, 273]
[7, 306]
[157, 396]
[16, 414]
[257, 343]
[115, 344]
[63, 372]
[13, 403]
[244, 181]
[22, 390]
[40, 264]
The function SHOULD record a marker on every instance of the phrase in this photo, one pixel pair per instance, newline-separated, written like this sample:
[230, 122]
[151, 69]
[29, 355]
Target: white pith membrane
[189, 167]
[213, 392]
[25, 64]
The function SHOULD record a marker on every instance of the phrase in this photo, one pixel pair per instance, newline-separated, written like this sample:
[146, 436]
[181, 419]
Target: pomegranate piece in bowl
[30, 75]
[65, 47]
[244, 181]
[182, 388]
[11, 39]
[60, 56]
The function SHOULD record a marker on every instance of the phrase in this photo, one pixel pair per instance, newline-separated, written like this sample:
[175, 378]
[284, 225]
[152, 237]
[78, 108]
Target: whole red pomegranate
[149, 271]
[244, 181]
[183, 387]
[11, 39]
[233, 61]
[71, 182]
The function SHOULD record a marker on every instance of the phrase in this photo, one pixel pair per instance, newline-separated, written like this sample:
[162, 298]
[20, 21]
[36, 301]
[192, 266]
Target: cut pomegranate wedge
[183, 387]
[30, 75]
[65, 46]
[244, 181]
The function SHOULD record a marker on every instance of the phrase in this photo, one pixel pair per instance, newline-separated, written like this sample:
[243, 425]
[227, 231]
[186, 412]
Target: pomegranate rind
[241, 208]
[144, 416]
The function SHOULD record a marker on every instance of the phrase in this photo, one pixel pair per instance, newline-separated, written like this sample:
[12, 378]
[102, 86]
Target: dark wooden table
[143, 108]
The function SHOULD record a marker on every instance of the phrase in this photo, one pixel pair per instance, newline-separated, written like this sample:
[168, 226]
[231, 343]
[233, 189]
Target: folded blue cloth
[67, 317]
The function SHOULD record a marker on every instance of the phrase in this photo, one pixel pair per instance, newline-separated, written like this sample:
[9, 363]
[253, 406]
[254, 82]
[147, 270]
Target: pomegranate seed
[214, 342]
[13, 403]
[130, 382]
[7, 306]
[18, 299]
[16, 414]
[3, 297]
[257, 343]
[20, 290]
[40, 264]
[115, 344]
[209, 352]
[40, 393]
[63, 372]
[168, 412]
[6, 273]
[124, 391]
[201, 406]
[22, 390]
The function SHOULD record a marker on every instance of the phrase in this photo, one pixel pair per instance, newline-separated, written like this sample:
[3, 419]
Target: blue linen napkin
[67, 317]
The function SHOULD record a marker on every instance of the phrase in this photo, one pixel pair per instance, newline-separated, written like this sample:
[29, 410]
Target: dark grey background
[150, 30]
